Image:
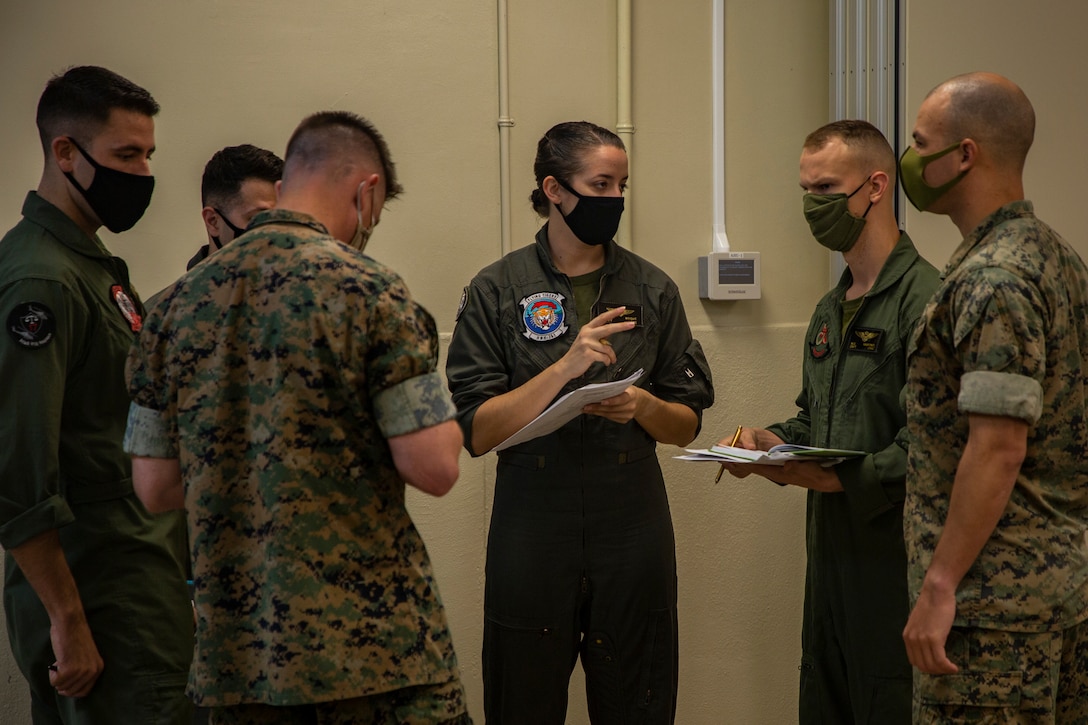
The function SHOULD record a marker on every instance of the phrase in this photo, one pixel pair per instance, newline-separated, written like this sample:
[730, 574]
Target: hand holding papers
[567, 408]
[776, 456]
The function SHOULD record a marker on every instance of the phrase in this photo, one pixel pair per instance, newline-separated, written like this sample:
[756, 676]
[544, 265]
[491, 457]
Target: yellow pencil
[736, 437]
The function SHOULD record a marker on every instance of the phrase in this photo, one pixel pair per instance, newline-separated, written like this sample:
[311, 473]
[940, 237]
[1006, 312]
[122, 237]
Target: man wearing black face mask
[238, 183]
[854, 668]
[97, 609]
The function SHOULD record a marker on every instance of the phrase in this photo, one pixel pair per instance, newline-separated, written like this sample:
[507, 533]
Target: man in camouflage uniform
[300, 379]
[996, 481]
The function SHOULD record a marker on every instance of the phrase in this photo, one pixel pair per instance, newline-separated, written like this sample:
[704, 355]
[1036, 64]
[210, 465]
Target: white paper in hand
[568, 407]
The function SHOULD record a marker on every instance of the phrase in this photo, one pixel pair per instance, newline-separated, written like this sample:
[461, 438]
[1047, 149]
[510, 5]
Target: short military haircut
[863, 138]
[78, 102]
[330, 138]
[993, 111]
[232, 166]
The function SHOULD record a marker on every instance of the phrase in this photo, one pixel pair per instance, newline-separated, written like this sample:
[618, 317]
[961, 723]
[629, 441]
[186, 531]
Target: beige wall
[426, 74]
[231, 73]
[1040, 46]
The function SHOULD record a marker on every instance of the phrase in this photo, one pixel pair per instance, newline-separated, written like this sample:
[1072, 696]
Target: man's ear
[370, 208]
[211, 221]
[967, 154]
[64, 151]
[880, 185]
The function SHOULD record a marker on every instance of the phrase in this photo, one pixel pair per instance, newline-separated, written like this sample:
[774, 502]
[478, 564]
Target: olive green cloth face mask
[830, 220]
[912, 166]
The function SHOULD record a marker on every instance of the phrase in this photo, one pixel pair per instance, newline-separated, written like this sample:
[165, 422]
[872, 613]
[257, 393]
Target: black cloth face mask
[118, 198]
[238, 231]
[595, 219]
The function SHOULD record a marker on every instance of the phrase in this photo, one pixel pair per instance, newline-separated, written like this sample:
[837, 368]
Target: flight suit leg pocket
[656, 693]
[527, 665]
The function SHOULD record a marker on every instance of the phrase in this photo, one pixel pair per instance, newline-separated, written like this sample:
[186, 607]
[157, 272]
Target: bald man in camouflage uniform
[996, 484]
[300, 378]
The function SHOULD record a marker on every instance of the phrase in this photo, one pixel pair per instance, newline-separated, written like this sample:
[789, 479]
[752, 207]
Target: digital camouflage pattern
[1007, 678]
[421, 705]
[287, 359]
[1006, 334]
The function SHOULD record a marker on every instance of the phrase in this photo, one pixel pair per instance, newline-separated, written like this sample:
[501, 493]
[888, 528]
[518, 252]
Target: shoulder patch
[462, 304]
[32, 325]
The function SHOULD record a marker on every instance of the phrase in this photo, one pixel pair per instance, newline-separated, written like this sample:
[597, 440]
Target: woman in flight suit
[581, 559]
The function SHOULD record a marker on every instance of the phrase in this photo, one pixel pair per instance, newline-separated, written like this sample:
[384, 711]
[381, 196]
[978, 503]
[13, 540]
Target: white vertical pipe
[505, 124]
[625, 127]
[720, 242]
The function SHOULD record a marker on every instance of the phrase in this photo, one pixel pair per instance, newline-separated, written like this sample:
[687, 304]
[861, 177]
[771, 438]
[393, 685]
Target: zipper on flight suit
[838, 367]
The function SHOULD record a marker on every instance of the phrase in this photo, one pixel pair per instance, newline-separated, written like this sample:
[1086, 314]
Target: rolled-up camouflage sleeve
[1000, 335]
[150, 434]
[408, 393]
[417, 403]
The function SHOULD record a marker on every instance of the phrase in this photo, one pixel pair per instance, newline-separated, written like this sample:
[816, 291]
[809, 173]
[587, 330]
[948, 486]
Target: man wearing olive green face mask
[997, 486]
[854, 667]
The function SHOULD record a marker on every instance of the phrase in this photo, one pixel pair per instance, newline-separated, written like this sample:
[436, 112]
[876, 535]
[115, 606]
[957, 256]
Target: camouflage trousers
[1018, 678]
[421, 705]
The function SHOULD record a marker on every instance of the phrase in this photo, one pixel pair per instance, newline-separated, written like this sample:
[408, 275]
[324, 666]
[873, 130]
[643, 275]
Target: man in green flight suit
[97, 611]
[854, 668]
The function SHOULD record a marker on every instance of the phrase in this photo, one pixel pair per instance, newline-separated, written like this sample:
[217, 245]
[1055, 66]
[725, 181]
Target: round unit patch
[32, 325]
[543, 315]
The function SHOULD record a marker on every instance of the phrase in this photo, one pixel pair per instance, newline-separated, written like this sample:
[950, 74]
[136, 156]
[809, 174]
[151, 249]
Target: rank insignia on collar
[819, 347]
[128, 309]
[32, 324]
[543, 316]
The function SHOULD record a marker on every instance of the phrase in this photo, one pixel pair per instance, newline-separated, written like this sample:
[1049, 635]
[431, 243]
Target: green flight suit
[854, 666]
[70, 315]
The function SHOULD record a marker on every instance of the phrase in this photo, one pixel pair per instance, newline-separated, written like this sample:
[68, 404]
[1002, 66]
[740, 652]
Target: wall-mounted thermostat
[729, 276]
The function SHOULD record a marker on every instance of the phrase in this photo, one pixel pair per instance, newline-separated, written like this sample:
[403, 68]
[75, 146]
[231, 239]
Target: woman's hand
[619, 408]
[591, 345]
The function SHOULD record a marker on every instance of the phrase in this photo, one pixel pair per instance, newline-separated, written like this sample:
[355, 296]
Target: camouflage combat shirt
[287, 359]
[1006, 334]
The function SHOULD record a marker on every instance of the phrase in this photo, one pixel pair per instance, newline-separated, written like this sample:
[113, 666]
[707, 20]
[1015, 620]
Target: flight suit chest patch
[865, 339]
[631, 313]
[818, 346]
[127, 307]
[544, 316]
